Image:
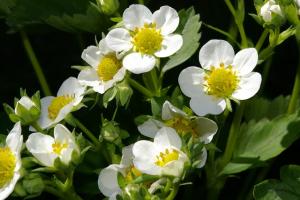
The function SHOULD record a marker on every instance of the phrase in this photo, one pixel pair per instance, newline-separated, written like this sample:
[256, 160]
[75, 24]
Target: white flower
[106, 70]
[108, 178]
[10, 161]
[161, 157]
[55, 109]
[224, 76]
[175, 118]
[199, 127]
[145, 37]
[46, 148]
[268, 9]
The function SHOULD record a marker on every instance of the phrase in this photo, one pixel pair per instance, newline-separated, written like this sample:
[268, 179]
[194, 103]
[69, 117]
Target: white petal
[40, 146]
[88, 77]
[245, 60]
[169, 111]
[44, 121]
[166, 19]
[91, 55]
[64, 111]
[108, 180]
[248, 86]
[215, 52]
[203, 158]
[144, 157]
[7, 190]
[25, 102]
[62, 134]
[170, 45]
[203, 105]
[127, 156]
[175, 168]
[138, 63]
[191, 81]
[167, 136]
[119, 40]
[68, 87]
[104, 48]
[136, 16]
[14, 139]
[150, 128]
[206, 129]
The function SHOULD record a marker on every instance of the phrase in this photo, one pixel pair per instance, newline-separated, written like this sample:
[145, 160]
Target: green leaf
[259, 108]
[191, 37]
[66, 15]
[263, 140]
[286, 189]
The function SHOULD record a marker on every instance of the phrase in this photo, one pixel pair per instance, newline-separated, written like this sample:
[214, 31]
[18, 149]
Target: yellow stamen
[7, 166]
[132, 173]
[57, 147]
[165, 157]
[108, 67]
[57, 104]
[147, 40]
[181, 125]
[221, 82]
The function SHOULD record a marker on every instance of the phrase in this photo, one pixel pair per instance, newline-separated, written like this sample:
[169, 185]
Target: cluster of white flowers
[136, 46]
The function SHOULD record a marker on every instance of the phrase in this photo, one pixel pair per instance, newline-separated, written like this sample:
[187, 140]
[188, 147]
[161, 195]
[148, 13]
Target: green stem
[233, 136]
[295, 93]
[54, 191]
[140, 88]
[172, 195]
[155, 81]
[85, 130]
[265, 73]
[37, 127]
[222, 32]
[35, 64]
[239, 23]
[261, 39]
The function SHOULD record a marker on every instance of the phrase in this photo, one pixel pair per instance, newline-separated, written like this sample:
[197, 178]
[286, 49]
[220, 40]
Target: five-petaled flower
[55, 109]
[223, 76]
[10, 161]
[145, 36]
[47, 149]
[106, 70]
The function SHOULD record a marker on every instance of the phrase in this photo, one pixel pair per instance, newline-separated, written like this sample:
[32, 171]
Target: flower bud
[269, 10]
[109, 7]
[27, 110]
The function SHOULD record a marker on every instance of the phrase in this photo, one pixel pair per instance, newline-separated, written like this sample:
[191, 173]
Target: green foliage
[66, 15]
[286, 189]
[189, 28]
[263, 140]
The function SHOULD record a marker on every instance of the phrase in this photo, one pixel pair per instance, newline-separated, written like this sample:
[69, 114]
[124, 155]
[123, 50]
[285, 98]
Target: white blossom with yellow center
[145, 37]
[106, 67]
[224, 76]
[198, 127]
[162, 156]
[108, 177]
[46, 148]
[55, 109]
[10, 161]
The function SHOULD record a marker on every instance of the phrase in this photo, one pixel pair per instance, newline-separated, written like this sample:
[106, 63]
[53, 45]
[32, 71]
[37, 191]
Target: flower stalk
[35, 64]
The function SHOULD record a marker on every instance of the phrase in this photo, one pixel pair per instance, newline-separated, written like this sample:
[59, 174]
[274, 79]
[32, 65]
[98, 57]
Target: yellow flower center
[221, 82]
[57, 104]
[181, 125]
[108, 67]
[147, 40]
[132, 173]
[57, 147]
[165, 157]
[7, 166]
